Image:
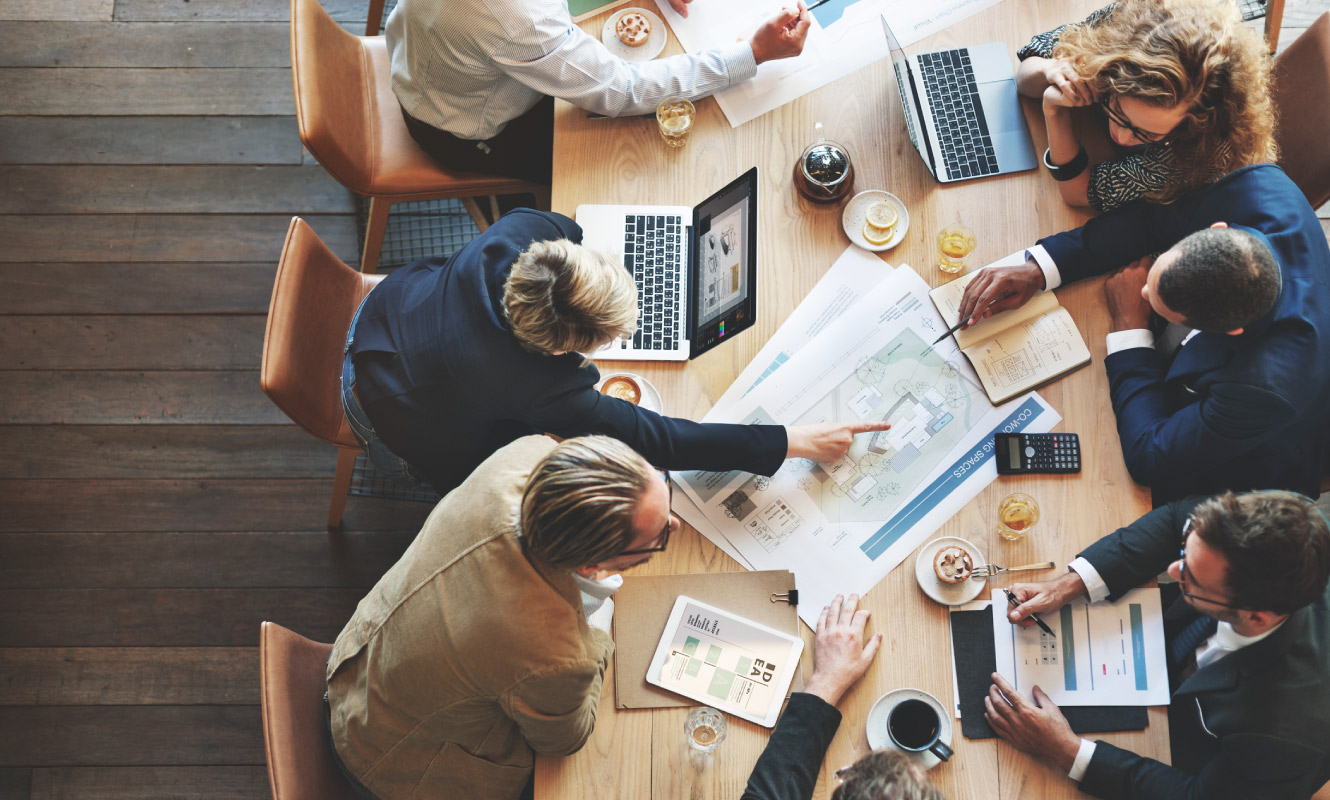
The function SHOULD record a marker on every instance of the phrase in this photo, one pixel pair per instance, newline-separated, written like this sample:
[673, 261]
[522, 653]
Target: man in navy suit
[1219, 355]
[449, 360]
[1248, 652]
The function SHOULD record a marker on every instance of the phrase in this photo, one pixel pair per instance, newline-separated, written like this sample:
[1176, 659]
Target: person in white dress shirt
[475, 78]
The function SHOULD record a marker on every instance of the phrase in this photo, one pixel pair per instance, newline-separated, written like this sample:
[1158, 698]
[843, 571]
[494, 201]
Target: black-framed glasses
[1182, 573]
[664, 537]
[1122, 122]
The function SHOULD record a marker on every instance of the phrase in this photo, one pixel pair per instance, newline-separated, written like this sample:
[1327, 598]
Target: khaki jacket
[466, 657]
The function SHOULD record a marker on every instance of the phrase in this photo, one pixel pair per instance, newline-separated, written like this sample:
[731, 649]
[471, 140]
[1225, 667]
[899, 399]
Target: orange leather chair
[351, 122]
[1302, 100]
[295, 730]
[314, 297]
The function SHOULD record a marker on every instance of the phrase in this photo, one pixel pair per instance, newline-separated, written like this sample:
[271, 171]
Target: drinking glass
[704, 728]
[1017, 514]
[955, 244]
[675, 117]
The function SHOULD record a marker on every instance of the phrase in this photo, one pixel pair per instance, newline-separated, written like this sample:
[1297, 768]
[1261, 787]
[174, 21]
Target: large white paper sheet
[842, 527]
[1103, 654]
[849, 279]
[846, 35]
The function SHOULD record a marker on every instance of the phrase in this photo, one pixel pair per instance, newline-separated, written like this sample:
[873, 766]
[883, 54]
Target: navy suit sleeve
[1130, 556]
[1120, 237]
[1247, 767]
[788, 767]
[1158, 443]
[575, 408]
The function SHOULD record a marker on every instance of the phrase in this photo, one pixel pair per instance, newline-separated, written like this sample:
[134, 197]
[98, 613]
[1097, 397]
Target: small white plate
[881, 711]
[650, 397]
[856, 211]
[948, 594]
[650, 48]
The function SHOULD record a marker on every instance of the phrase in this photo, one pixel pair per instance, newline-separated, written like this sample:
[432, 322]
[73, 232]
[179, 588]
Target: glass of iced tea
[705, 728]
[1017, 514]
[675, 117]
[955, 244]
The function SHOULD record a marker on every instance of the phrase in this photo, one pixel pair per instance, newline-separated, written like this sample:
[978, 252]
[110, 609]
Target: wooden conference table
[642, 754]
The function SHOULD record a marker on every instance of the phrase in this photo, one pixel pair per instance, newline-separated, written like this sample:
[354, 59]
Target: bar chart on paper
[1102, 654]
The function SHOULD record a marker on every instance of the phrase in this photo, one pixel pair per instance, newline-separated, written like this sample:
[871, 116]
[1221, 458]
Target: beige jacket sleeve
[555, 709]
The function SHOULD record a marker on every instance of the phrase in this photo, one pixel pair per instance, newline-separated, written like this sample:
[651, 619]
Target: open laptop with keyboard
[962, 111]
[695, 269]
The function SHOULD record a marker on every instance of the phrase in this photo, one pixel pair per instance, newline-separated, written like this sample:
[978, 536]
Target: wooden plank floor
[154, 506]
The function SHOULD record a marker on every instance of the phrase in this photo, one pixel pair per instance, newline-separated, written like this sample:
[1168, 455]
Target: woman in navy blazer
[443, 372]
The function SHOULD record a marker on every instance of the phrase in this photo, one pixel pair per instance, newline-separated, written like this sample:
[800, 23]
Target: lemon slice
[876, 235]
[882, 215]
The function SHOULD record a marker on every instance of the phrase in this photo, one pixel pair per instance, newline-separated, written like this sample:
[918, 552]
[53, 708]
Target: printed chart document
[1104, 654]
[1017, 350]
[842, 527]
[734, 664]
[846, 35]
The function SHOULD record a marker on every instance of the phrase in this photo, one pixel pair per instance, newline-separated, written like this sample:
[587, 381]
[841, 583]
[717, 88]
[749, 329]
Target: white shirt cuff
[1094, 585]
[1129, 339]
[1052, 278]
[740, 64]
[1082, 762]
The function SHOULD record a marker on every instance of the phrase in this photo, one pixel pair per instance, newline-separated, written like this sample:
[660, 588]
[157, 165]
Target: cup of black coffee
[914, 726]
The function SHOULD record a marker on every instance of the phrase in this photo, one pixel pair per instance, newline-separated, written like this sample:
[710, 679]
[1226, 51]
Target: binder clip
[791, 597]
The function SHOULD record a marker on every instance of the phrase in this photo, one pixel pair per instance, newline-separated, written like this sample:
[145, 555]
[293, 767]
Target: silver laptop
[695, 268]
[962, 110]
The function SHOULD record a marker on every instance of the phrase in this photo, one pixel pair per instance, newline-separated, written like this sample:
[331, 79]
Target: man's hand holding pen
[1045, 597]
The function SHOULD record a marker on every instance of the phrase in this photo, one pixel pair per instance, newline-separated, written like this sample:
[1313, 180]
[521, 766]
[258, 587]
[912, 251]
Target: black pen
[1042, 625]
[958, 325]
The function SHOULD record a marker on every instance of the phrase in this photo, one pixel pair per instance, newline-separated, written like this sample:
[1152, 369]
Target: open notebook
[1018, 350]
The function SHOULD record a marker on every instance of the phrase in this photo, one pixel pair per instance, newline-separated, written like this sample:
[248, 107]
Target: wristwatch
[1069, 170]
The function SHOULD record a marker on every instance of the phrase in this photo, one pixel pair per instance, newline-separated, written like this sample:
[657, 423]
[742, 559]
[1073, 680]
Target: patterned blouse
[1137, 171]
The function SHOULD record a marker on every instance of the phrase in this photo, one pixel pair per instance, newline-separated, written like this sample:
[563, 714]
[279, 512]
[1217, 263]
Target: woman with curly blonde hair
[1182, 86]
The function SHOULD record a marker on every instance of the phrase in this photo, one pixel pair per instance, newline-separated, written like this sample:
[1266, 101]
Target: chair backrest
[295, 728]
[314, 297]
[1302, 100]
[332, 80]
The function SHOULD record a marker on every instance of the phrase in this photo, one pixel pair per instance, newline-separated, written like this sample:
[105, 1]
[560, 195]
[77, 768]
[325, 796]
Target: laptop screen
[723, 296]
[910, 103]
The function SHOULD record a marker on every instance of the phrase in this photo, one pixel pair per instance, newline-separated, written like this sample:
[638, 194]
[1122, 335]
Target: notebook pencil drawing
[1018, 350]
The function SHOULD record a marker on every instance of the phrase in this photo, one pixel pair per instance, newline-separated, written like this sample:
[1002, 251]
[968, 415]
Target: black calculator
[1037, 452]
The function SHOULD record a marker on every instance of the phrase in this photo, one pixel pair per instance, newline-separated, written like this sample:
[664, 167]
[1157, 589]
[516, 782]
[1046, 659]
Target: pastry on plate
[633, 28]
[953, 564]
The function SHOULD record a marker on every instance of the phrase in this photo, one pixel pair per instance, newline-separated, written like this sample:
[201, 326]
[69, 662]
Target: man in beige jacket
[473, 650]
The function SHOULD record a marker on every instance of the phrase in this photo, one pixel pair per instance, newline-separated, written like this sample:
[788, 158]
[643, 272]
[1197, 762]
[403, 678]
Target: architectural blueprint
[842, 526]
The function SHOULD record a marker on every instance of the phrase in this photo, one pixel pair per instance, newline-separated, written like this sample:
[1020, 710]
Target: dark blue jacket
[446, 383]
[1250, 726]
[1228, 412]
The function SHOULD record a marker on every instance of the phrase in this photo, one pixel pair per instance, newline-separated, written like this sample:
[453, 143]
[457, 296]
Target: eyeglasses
[664, 537]
[1119, 119]
[1182, 573]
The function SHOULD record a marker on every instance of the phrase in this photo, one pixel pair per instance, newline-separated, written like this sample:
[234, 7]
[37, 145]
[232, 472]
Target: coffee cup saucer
[881, 711]
[948, 594]
[650, 397]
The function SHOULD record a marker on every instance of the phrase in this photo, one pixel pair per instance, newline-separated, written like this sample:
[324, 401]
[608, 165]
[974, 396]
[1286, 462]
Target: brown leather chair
[351, 122]
[314, 297]
[1302, 100]
[295, 728]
